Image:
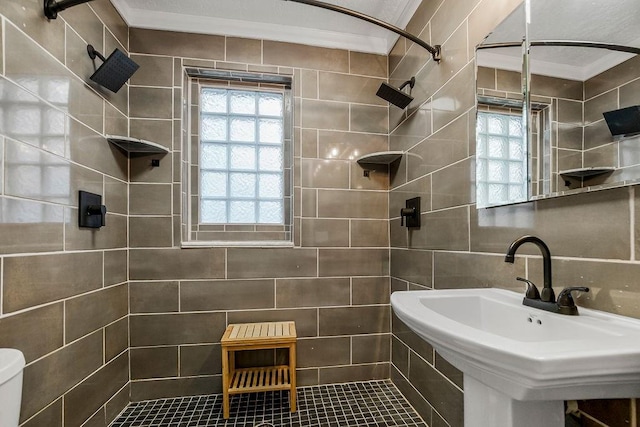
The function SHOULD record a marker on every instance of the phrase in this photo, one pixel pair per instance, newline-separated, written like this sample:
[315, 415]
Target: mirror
[584, 65]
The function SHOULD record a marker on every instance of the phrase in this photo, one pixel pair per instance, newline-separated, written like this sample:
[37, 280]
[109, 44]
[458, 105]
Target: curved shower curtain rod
[567, 43]
[435, 51]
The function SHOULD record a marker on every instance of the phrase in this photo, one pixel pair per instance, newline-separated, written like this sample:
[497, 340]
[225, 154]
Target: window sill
[245, 244]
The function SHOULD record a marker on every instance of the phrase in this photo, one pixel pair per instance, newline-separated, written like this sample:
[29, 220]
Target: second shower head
[396, 96]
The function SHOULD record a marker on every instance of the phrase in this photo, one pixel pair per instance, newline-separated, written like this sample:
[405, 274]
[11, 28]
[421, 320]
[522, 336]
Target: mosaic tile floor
[373, 403]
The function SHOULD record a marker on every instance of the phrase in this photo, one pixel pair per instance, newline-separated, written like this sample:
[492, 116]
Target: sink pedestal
[488, 407]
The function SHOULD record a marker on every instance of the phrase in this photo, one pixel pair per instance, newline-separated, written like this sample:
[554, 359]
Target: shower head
[114, 70]
[396, 96]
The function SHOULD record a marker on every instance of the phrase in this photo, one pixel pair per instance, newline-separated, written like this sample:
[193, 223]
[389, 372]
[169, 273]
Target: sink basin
[523, 353]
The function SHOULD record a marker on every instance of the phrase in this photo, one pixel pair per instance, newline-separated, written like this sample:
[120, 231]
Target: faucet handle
[532, 291]
[566, 304]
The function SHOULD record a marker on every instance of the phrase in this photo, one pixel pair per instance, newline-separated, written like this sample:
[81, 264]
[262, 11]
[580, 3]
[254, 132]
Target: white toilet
[11, 366]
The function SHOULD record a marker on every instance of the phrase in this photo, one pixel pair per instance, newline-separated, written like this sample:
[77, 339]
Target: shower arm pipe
[435, 51]
[52, 7]
[568, 43]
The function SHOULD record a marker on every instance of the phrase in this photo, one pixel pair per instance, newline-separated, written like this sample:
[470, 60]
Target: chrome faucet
[545, 300]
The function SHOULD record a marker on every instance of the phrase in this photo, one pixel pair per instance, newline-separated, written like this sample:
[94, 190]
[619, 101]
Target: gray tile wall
[334, 283]
[592, 236]
[65, 299]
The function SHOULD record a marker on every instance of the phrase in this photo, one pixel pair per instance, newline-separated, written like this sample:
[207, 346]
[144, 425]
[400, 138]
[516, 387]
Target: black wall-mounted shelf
[134, 145]
[586, 172]
[380, 158]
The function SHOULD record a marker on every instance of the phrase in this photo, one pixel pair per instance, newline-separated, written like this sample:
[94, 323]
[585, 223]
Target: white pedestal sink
[521, 363]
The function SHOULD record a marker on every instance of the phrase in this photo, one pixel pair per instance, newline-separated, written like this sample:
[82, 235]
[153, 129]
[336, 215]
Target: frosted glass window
[501, 159]
[241, 156]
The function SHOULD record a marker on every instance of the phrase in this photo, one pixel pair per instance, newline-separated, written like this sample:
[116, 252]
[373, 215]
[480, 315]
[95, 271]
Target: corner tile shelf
[134, 145]
[586, 172]
[380, 158]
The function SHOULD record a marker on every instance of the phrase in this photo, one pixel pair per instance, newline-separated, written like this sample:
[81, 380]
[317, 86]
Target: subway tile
[93, 151]
[352, 204]
[439, 150]
[305, 318]
[342, 374]
[446, 398]
[90, 312]
[452, 186]
[62, 369]
[35, 332]
[353, 262]
[328, 115]
[76, 53]
[349, 88]
[172, 43]
[368, 118]
[448, 370]
[369, 176]
[243, 50]
[420, 187]
[42, 230]
[115, 267]
[51, 416]
[412, 130]
[112, 19]
[174, 329]
[594, 107]
[271, 263]
[409, 338]
[312, 292]
[113, 235]
[150, 102]
[200, 360]
[454, 98]
[354, 320]
[369, 233]
[321, 352]
[367, 64]
[553, 220]
[446, 230]
[556, 87]
[324, 173]
[226, 295]
[176, 263]
[117, 404]
[325, 232]
[396, 54]
[370, 348]
[153, 71]
[116, 196]
[158, 131]
[309, 84]
[412, 265]
[482, 23]
[370, 290]
[116, 338]
[465, 270]
[156, 362]
[304, 56]
[417, 401]
[143, 171]
[94, 391]
[149, 232]
[349, 145]
[610, 412]
[29, 17]
[400, 356]
[150, 199]
[175, 387]
[34, 280]
[153, 297]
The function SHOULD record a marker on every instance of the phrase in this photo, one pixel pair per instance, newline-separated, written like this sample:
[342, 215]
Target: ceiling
[278, 20]
[575, 20]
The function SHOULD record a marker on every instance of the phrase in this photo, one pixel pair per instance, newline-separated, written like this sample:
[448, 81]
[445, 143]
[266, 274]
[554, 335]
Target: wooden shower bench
[258, 336]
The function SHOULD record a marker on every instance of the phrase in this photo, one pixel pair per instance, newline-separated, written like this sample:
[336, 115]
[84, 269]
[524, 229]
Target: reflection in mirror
[571, 147]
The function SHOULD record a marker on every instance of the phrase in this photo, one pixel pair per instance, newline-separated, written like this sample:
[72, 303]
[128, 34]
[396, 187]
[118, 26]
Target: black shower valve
[411, 212]
[91, 212]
